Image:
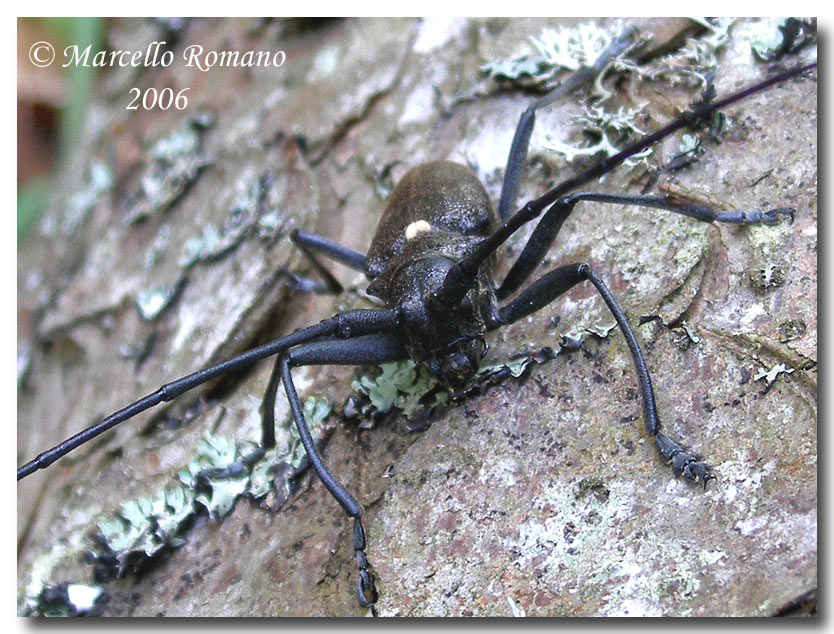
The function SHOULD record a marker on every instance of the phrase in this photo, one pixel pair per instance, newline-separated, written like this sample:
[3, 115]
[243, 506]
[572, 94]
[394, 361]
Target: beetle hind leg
[309, 244]
[557, 282]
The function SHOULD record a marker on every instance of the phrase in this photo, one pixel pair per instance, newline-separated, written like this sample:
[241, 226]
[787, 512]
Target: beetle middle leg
[369, 349]
[546, 231]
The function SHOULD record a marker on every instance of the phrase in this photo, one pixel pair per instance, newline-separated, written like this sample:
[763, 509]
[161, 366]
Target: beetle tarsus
[771, 216]
[365, 590]
[683, 463]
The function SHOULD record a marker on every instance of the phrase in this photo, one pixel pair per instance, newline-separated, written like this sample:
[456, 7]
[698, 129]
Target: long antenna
[356, 322]
[461, 277]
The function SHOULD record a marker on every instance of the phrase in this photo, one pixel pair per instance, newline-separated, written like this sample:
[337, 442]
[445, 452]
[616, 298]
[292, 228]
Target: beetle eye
[484, 347]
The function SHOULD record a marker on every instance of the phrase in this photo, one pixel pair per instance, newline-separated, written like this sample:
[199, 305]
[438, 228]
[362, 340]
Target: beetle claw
[771, 216]
[365, 589]
[684, 463]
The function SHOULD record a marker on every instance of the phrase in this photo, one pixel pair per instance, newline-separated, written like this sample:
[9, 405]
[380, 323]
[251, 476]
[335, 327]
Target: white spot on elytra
[416, 228]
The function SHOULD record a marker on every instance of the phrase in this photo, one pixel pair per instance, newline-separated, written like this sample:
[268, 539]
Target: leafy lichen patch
[247, 214]
[175, 162]
[221, 471]
[557, 49]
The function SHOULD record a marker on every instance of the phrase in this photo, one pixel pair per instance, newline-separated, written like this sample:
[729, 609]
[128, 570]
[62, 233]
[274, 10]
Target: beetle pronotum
[452, 589]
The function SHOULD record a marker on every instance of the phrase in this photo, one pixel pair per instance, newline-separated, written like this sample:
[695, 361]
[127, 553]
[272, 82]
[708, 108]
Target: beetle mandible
[460, 362]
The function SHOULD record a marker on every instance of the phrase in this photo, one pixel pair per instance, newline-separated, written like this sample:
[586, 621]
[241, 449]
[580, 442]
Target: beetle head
[455, 366]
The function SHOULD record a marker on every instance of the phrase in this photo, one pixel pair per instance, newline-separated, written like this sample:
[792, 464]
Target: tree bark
[542, 496]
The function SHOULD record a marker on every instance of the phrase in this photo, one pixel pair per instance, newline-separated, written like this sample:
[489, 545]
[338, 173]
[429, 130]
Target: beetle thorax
[448, 340]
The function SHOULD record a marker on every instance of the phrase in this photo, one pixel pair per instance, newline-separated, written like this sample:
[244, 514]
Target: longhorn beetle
[430, 262]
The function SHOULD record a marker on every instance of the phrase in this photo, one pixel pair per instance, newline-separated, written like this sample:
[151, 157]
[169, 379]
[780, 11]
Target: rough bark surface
[541, 497]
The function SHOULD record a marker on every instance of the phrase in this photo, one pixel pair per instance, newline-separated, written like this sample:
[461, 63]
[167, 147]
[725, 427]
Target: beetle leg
[545, 232]
[309, 243]
[558, 281]
[521, 138]
[357, 351]
[233, 470]
[461, 277]
[268, 407]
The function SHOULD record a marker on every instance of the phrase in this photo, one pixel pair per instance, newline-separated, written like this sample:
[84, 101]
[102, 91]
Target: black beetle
[458, 365]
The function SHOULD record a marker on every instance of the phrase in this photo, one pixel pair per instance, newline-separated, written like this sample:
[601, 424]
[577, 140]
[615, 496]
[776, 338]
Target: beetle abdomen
[446, 195]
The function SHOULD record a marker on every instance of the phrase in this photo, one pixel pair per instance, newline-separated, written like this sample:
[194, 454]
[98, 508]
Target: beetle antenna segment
[350, 324]
[461, 277]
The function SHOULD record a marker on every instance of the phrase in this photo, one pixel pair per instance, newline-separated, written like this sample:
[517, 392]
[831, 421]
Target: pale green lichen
[73, 599]
[215, 478]
[99, 180]
[175, 162]
[770, 376]
[407, 387]
[530, 67]
[767, 240]
[691, 240]
[675, 573]
[401, 385]
[561, 49]
[771, 276]
[221, 472]
[153, 301]
[563, 535]
[42, 598]
[248, 214]
[601, 330]
[791, 329]
[574, 525]
[689, 65]
[605, 125]
[788, 36]
[573, 48]
[711, 557]
[685, 336]
[269, 224]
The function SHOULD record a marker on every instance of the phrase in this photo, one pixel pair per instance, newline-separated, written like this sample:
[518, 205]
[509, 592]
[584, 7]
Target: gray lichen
[558, 49]
[220, 473]
[407, 387]
[99, 180]
[175, 162]
[248, 214]
[770, 376]
[788, 37]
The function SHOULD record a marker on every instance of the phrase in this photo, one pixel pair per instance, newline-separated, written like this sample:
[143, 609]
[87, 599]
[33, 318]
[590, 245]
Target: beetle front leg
[551, 223]
[357, 351]
[559, 281]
